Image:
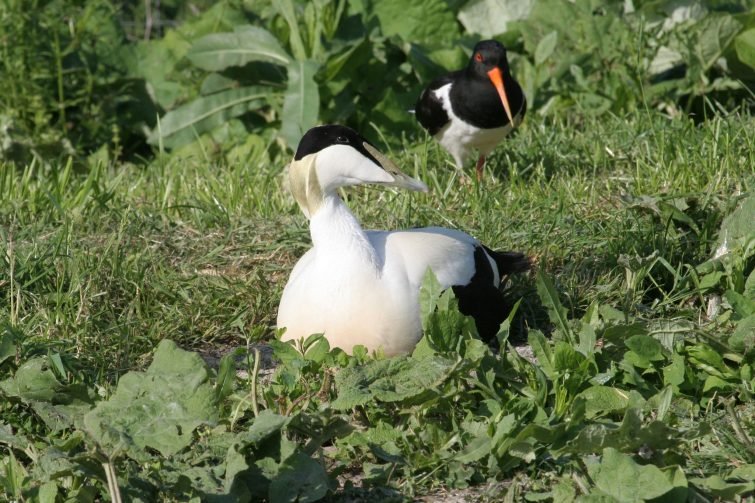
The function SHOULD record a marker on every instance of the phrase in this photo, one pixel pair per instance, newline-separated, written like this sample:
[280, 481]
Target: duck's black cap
[321, 137]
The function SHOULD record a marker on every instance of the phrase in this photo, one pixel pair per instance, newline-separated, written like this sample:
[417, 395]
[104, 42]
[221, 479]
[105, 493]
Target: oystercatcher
[475, 107]
[362, 287]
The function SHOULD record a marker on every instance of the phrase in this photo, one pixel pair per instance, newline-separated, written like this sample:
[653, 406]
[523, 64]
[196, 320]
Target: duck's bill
[496, 78]
[399, 178]
[404, 181]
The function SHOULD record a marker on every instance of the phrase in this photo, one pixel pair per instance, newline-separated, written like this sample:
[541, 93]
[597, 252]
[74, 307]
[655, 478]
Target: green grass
[101, 264]
[107, 262]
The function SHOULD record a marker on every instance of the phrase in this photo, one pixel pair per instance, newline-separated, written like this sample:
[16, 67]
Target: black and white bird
[475, 107]
[362, 287]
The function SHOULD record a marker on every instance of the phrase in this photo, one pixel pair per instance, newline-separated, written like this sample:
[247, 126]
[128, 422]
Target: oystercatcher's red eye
[478, 57]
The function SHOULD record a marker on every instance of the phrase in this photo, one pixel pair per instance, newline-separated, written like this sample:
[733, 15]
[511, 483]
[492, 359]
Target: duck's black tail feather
[509, 262]
[481, 299]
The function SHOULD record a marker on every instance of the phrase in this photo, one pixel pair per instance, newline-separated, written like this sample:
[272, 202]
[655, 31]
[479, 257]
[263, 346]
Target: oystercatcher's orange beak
[497, 79]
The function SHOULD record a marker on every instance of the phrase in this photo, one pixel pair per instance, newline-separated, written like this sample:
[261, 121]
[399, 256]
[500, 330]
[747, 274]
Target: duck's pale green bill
[400, 179]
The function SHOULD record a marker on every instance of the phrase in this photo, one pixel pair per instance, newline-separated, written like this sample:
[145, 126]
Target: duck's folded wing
[449, 253]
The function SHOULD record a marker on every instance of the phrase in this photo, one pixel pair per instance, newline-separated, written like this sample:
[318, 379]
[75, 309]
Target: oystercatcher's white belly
[459, 137]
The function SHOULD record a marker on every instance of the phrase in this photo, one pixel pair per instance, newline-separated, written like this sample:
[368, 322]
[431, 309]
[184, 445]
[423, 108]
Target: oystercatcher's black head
[488, 54]
[489, 61]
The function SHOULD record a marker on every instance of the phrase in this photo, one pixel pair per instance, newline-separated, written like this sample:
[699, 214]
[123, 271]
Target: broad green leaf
[587, 339]
[300, 479]
[716, 383]
[566, 358]
[246, 44]
[215, 83]
[12, 475]
[523, 450]
[546, 47]
[226, 378]
[745, 47]
[541, 348]
[742, 306]
[423, 348]
[564, 490]
[341, 64]
[718, 32]
[645, 347]
[264, 425]
[491, 17]
[451, 57]
[739, 225]
[556, 311]
[7, 346]
[317, 348]
[154, 61]
[157, 61]
[285, 352]
[718, 487]
[674, 210]
[478, 448]
[52, 463]
[600, 400]
[630, 435]
[619, 477]
[665, 59]
[673, 373]
[380, 434]
[301, 104]
[235, 463]
[592, 315]
[744, 472]
[429, 292]
[708, 359]
[670, 332]
[10, 439]
[67, 407]
[203, 479]
[505, 329]
[743, 337]
[750, 286]
[417, 21]
[33, 381]
[164, 405]
[377, 473]
[663, 402]
[185, 123]
[288, 12]
[389, 380]
[619, 334]
[48, 492]
[447, 326]
[610, 313]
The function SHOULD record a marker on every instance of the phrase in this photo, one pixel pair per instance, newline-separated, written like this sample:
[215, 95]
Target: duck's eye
[342, 139]
[478, 57]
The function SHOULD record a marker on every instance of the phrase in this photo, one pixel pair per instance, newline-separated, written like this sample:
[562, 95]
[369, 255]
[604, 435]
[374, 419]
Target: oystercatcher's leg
[480, 164]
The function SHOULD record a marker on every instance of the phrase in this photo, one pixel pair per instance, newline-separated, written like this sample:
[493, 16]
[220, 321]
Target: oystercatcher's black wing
[429, 109]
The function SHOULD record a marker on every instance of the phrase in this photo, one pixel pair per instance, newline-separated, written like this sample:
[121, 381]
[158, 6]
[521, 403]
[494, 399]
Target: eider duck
[362, 287]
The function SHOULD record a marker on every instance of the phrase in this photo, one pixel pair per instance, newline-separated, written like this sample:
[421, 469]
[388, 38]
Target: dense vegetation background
[88, 77]
[143, 201]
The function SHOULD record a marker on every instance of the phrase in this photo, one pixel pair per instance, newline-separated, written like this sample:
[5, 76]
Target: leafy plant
[611, 57]
[247, 44]
[637, 377]
[65, 90]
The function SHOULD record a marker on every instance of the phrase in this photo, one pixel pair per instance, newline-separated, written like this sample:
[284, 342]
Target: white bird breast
[459, 137]
[353, 302]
